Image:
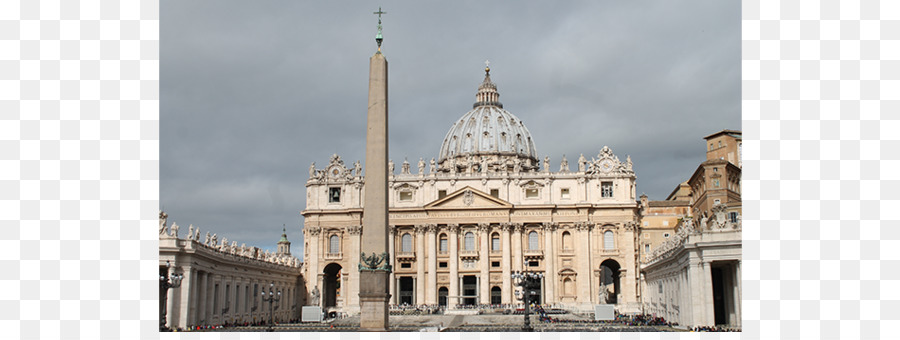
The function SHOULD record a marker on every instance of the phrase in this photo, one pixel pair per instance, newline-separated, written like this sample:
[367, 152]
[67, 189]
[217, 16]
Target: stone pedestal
[311, 314]
[373, 301]
[604, 312]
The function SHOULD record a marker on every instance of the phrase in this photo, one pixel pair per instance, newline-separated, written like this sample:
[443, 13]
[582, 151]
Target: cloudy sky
[252, 92]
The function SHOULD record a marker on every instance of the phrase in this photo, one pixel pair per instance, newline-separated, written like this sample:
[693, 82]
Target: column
[420, 264]
[710, 319]
[517, 259]
[201, 298]
[550, 262]
[172, 304]
[454, 266]
[312, 280]
[194, 298]
[585, 276]
[484, 283]
[698, 295]
[351, 299]
[506, 293]
[737, 295]
[431, 282]
[393, 278]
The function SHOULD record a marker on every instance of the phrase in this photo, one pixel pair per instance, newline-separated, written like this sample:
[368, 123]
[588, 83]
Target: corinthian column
[584, 269]
[506, 293]
[420, 264]
[550, 261]
[454, 266]
[484, 230]
[353, 284]
[431, 287]
[517, 258]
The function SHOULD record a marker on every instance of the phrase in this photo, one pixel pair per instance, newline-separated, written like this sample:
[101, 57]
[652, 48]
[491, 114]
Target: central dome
[488, 131]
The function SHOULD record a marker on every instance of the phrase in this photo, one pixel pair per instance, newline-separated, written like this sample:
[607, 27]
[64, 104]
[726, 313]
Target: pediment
[467, 198]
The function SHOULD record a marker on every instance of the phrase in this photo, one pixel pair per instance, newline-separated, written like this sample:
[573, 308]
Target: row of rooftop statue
[212, 242]
[483, 165]
[719, 222]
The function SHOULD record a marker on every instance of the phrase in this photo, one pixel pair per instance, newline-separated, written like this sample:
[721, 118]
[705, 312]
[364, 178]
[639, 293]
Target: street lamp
[530, 283]
[164, 284]
[274, 296]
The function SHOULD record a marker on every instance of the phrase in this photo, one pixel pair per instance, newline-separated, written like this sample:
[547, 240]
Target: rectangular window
[665, 223]
[495, 243]
[647, 248]
[334, 195]
[495, 264]
[495, 193]
[534, 263]
[531, 193]
[717, 201]
[442, 265]
[406, 196]
[443, 244]
[564, 193]
[733, 216]
[406, 265]
[442, 194]
[606, 189]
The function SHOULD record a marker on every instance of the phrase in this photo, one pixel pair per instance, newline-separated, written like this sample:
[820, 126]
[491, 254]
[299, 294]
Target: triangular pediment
[469, 198]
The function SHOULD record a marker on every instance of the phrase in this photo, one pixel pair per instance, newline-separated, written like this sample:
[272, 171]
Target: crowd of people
[230, 325]
[644, 320]
[714, 329]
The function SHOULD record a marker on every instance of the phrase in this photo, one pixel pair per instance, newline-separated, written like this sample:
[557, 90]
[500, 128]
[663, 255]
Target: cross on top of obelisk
[378, 38]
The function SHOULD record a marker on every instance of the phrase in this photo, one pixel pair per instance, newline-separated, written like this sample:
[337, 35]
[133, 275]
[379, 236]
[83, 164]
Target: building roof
[732, 133]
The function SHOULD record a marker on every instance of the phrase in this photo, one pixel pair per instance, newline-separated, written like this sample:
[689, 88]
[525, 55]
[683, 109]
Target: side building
[223, 283]
[692, 274]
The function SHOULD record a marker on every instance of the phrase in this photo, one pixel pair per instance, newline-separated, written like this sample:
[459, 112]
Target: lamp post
[530, 283]
[274, 296]
[165, 282]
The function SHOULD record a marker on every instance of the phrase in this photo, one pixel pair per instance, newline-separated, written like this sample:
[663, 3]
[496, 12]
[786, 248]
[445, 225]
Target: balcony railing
[406, 255]
[468, 253]
[533, 253]
[332, 256]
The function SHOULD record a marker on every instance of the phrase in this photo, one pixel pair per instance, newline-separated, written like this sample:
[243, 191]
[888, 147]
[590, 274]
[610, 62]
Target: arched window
[443, 242]
[334, 244]
[608, 240]
[533, 241]
[470, 241]
[567, 240]
[406, 243]
[495, 241]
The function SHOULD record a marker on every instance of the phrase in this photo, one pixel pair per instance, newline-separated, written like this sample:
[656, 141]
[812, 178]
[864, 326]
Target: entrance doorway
[331, 285]
[470, 288]
[724, 292]
[406, 291]
[495, 295]
[442, 296]
[609, 279]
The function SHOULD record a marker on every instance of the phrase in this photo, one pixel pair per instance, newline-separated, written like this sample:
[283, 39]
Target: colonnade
[206, 297]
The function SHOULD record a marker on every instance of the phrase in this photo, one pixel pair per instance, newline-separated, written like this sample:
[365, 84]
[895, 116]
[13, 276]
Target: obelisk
[375, 262]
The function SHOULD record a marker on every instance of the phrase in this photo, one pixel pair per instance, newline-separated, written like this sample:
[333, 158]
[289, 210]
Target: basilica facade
[486, 207]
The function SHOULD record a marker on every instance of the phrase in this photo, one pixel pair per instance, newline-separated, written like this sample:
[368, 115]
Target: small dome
[489, 130]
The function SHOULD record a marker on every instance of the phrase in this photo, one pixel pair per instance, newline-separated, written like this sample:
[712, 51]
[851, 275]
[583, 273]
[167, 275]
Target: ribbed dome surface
[488, 130]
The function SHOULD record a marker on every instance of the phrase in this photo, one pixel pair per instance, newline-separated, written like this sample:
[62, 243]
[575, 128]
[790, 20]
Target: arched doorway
[609, 278]
[442, 296]
[495, 295]
[331, 285]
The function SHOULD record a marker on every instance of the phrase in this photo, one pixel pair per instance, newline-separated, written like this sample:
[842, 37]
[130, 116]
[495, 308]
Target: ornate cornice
[421, 228]
[505, 227]
[484, 227]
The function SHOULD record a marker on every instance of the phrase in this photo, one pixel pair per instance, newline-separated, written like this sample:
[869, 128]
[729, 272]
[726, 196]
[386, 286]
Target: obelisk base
[373, 301]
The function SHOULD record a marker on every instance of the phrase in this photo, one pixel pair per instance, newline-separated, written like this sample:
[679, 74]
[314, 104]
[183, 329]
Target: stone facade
[222, 282]
[461, 225]
[695, 277]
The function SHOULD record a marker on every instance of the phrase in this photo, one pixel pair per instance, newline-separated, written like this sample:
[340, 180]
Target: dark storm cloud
[253, 91]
